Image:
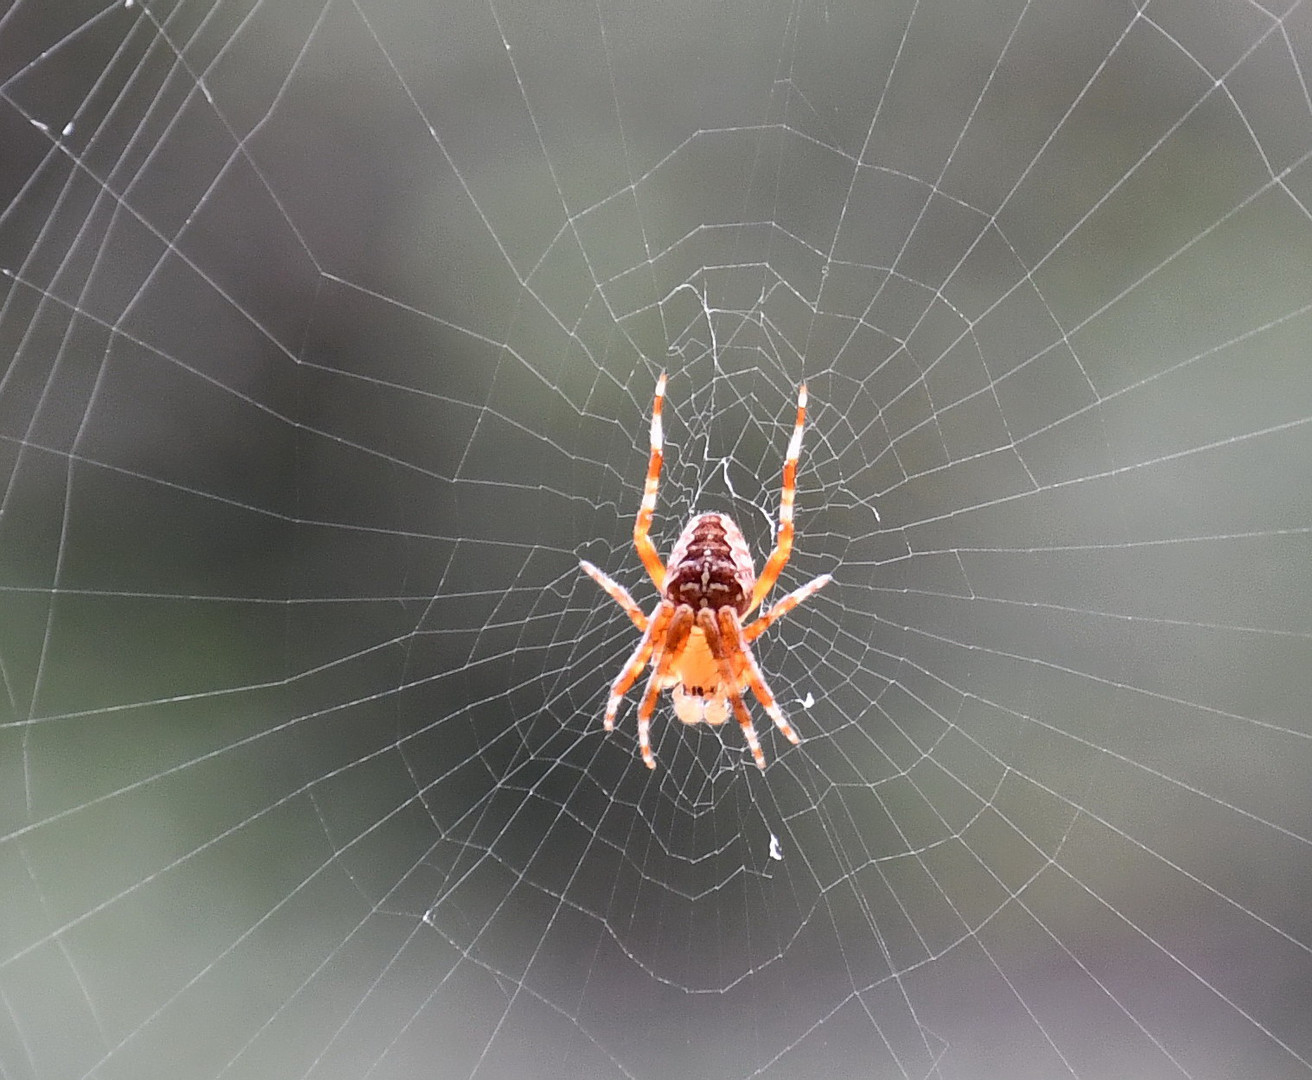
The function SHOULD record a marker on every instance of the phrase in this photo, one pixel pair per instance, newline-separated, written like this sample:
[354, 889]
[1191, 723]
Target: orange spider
[695, 640]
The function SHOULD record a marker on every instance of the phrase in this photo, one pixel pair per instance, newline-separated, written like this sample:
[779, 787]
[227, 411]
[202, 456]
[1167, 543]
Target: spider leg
[783, 545]
[655, 631]
[676, 637]
[642, 526]
[732, 631]
[728, 681]
[617, 592]
[756, 628]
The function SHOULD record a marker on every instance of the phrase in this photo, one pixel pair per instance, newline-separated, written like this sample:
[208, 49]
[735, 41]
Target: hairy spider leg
[642, 526]
[783, 545]
[655, 632]
[676, 638]
[731, 630]
[782, 607]
[618, 593]
[729, 681]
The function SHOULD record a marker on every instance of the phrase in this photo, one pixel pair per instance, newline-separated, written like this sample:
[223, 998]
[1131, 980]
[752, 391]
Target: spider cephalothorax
[695, 640]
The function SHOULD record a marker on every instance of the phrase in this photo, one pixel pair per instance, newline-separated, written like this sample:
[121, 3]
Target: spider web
[330, 330]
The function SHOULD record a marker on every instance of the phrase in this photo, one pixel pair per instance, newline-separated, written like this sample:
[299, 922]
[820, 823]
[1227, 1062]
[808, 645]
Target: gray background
[329, 334]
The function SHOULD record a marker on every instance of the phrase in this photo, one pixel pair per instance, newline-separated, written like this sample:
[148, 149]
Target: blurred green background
[328, 334]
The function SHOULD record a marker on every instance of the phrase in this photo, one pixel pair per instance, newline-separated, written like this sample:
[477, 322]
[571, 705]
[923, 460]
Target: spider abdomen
[710, 566]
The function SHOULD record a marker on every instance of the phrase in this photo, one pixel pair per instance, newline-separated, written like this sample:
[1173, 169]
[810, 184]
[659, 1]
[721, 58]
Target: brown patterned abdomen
[710, 566]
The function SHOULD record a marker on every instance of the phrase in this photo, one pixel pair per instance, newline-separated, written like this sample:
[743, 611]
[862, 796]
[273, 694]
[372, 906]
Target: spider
[695, 639]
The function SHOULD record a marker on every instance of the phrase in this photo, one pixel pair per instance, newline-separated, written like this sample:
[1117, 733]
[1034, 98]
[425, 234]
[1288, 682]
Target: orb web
[330, 333]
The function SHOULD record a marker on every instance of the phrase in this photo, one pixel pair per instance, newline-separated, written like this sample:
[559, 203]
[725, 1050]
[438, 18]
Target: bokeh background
[328, 334]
